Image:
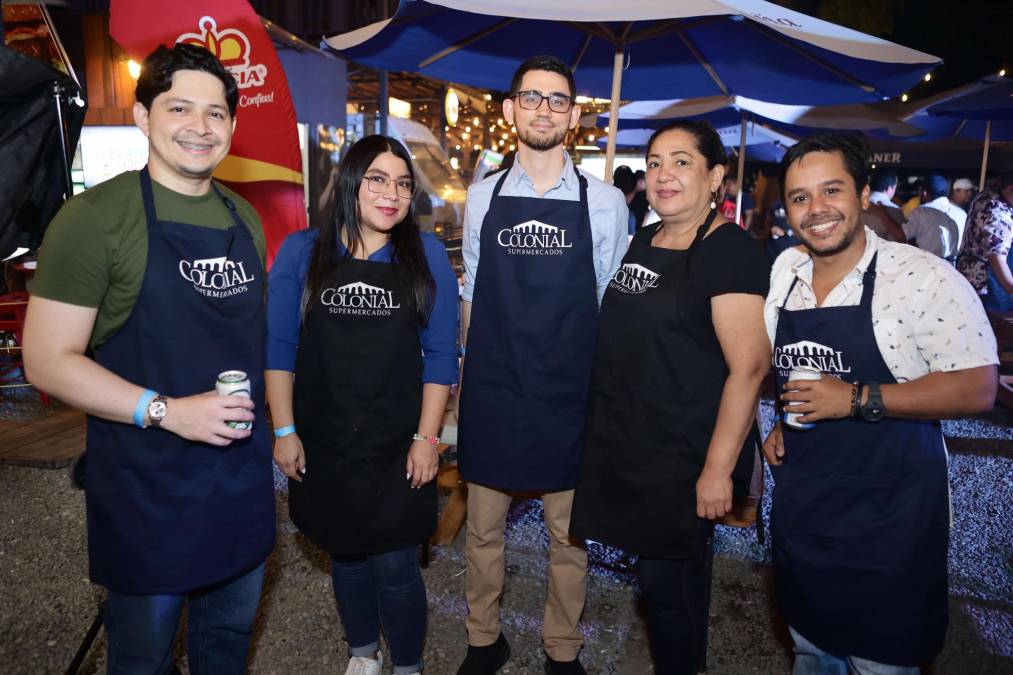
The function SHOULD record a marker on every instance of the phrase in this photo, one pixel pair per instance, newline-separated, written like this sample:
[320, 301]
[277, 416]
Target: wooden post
[984, 155]
[617, 80]
[742, 170]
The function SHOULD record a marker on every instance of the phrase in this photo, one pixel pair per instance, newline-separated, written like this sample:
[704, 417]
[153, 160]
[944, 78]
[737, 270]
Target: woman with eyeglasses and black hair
[361, 353]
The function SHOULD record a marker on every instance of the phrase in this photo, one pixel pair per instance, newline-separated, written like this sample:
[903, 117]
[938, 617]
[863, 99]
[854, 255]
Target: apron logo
[359, 299]
[533, 238]
[634, 279]
[216, 277]
[809, 355]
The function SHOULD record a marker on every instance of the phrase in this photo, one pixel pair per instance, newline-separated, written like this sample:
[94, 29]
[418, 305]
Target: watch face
[156, 410]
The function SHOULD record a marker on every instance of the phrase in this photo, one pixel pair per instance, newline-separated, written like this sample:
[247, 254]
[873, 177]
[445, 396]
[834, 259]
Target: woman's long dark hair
[408, 259]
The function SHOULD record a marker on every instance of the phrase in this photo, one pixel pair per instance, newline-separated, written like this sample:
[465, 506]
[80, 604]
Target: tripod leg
[86, 643]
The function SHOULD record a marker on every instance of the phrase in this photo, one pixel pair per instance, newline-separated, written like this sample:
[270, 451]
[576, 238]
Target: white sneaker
[363, 665]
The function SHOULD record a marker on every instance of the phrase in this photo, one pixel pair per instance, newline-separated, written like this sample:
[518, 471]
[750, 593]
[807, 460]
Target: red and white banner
[264, 165]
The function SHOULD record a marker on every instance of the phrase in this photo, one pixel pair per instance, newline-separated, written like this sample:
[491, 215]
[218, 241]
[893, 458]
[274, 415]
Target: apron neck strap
[869, 281]
[148, 196]
[231, 206]
[499, 183]
[868, 284]
[701, 232]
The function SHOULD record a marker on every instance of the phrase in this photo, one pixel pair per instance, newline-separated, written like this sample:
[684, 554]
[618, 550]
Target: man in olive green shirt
[96, 247]
[161, 273]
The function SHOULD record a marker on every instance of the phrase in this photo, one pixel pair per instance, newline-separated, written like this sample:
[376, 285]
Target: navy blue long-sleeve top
[284, 299]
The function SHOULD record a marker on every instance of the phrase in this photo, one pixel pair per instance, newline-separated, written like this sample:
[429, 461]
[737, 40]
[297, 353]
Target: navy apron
[534, 321]
[860, 509]
[167, 515]
[357, 401]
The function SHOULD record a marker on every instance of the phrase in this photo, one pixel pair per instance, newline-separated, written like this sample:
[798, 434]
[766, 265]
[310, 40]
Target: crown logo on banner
[231, 47]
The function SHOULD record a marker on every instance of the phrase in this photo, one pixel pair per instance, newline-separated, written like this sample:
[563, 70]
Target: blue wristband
[284, 431]
[142, 407]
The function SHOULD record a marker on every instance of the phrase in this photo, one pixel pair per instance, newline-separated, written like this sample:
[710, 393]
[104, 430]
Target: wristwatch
[157, 410]
[873, 409]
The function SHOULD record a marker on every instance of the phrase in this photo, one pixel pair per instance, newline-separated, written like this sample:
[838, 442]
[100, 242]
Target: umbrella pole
[742, 169]
[617, 80]
[984, 155]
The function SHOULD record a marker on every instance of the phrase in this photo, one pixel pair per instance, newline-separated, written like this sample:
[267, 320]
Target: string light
[903, 98]
[928, 77]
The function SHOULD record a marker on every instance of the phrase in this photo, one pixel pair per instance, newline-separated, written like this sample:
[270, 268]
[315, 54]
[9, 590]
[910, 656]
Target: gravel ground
[47, 602]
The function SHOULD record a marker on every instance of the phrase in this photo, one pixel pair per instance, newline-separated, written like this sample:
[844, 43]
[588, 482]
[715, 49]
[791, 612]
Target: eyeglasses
[532, 100]
[377, 183]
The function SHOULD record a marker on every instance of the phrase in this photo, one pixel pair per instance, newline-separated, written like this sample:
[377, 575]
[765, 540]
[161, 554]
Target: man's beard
[541, 143]
[846, 238]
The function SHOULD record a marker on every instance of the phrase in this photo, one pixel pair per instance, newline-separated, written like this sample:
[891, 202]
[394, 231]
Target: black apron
[658, 378]
[531, 344]
[167, 515]
[860, 509]
[357, 401]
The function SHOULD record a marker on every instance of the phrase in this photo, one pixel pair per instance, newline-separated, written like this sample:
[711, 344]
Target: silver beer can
[234, 383]
[799, 373]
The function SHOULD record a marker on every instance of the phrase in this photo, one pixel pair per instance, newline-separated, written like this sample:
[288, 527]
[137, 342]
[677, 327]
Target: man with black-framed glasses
[549, 238]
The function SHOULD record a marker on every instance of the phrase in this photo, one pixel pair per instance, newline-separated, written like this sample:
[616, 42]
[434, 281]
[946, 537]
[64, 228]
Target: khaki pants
[487, 511]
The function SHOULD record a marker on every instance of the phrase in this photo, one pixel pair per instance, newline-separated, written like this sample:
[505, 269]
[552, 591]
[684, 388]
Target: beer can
[234, 383]
[799, 373]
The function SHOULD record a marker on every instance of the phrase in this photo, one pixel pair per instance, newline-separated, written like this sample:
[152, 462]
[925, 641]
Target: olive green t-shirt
[96, 248]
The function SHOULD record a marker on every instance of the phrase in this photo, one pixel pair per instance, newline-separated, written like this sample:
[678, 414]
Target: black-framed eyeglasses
[532, 100]
[378, 183]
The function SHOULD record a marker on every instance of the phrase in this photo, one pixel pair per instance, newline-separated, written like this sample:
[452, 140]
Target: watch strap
[873, 409]
[141, 409]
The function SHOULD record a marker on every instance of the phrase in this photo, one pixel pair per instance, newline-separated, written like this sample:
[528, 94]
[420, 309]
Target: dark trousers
[677, 595]
[142, 628]
[387, 589]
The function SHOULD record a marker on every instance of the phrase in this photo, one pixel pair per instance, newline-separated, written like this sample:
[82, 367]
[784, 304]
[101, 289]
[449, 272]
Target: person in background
[987, 255]
[639, 206]
[160, 275]
[884, 187]
[919, 195]
[624, 179]
[680, 358]
[781, 236]
[963, 193]
[729, 191]
[937, 226]
[860, 517]
[362, 325]
[541, 242]
[877, 218]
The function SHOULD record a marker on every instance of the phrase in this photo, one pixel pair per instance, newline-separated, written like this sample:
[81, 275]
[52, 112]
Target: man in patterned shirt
[985, 259]
[898, 340]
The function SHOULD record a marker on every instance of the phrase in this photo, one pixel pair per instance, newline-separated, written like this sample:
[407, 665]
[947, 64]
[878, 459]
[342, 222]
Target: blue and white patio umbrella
[650, 49]
[762, 143]
[981, 110]
[733, 115]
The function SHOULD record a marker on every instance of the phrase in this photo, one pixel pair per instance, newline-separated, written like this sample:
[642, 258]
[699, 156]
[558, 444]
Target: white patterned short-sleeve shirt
[926, 317]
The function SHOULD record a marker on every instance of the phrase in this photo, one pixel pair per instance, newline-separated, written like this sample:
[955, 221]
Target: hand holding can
[234, 383]
[791, 418]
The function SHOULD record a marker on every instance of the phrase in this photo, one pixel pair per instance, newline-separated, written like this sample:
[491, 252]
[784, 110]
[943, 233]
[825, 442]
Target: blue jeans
[676, 594]
[141, 629]
[387, 589]
[811, 660]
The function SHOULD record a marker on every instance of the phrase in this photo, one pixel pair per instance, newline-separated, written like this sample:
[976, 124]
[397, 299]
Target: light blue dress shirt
[606, 207]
